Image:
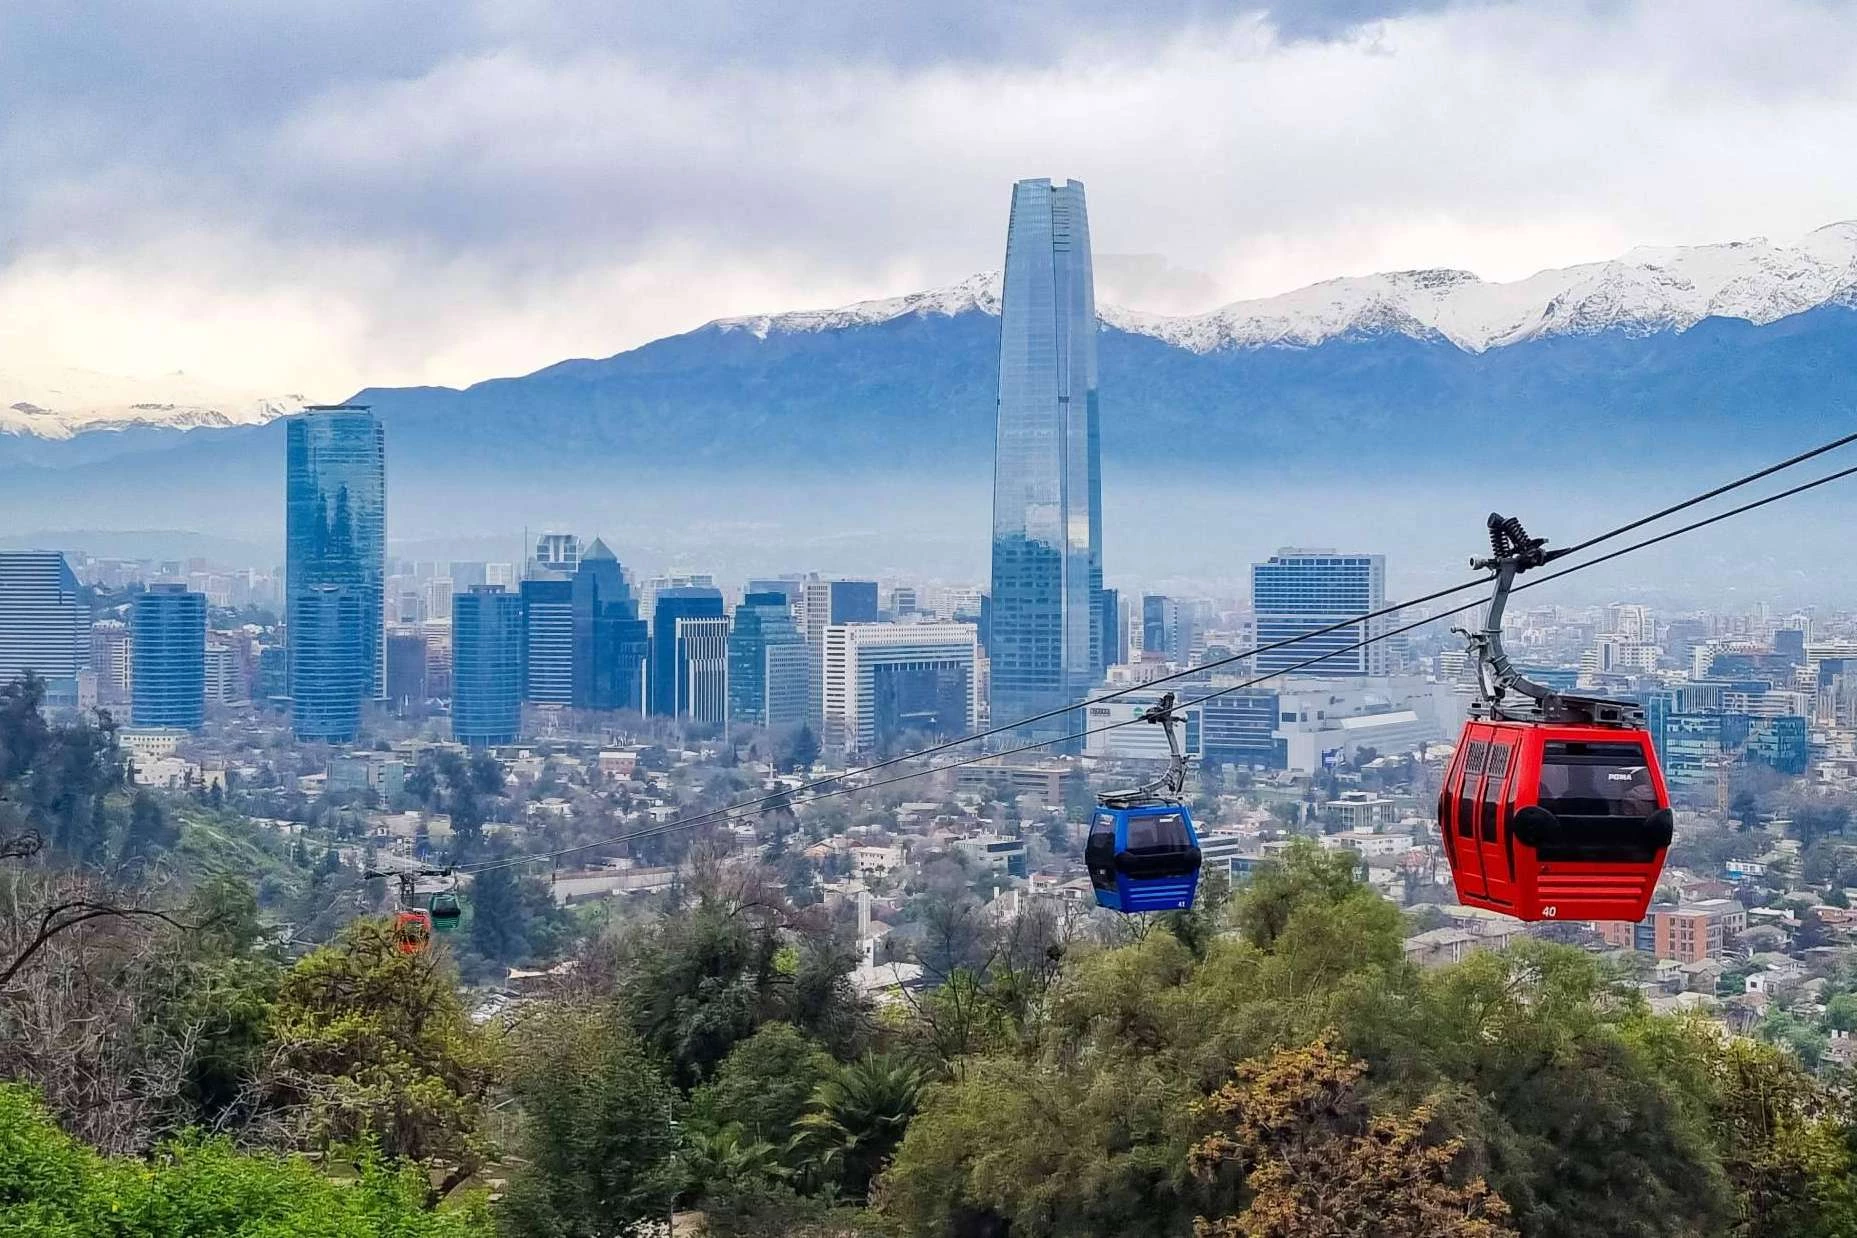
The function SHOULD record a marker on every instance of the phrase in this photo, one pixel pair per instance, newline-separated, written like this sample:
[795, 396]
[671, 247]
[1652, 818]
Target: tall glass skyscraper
[1296, 592]
[328, 677]
[486, 666]
[44, 624]
[768, 663]
[1045, 631]
[548, 610]
[671, 694]
[335, 536]
[611, 643]
[169, 663]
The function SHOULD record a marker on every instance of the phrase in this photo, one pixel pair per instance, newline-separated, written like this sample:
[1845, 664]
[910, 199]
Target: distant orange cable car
[1555, 809]
[412, 931]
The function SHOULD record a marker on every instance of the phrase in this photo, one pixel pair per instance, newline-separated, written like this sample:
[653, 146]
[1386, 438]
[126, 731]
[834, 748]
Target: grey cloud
[426, 188]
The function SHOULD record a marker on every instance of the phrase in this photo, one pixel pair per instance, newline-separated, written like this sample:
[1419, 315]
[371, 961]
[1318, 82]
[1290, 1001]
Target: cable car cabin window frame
[1102, 873]
[1178, 842]
[1178, 858]
[1611, 837]
[1475, 754]
[1496, 767]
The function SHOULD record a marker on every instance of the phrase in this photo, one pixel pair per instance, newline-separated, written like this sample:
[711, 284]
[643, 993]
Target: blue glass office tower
[768, 663]
[1045, 632]
[667, 670]
[44, 624]
[548, 617]
[487, 649]
[1297, 592]
[168, 674]
[1109, 622]
[611, 643]
[335, 536]
[328, 676]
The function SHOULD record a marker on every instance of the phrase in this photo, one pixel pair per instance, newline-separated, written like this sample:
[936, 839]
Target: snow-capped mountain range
[1646, 292]
[61, 403]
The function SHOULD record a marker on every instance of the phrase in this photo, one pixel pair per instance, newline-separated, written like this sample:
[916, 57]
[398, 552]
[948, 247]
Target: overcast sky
[310, 197]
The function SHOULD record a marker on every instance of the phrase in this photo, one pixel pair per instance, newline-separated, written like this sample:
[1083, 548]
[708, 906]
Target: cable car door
[1494, 845]
[1466, 857]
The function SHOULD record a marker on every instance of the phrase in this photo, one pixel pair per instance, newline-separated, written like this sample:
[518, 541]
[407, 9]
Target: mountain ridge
[1646, 291]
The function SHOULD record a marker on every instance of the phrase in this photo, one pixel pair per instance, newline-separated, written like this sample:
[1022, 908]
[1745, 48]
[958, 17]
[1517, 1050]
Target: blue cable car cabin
[1143, 858]
[1143, 854]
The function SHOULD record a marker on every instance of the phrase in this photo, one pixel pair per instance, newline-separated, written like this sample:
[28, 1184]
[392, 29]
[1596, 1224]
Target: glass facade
[611, 643]
[548, 615]
[1240, 727]
[1115, 636]
[703, 668]
[335, 536]
[169, 662]
[44, 624]
[487, 650]
[408, 684]
[669, 682]
[1044, 623]
[769, 684]
[328, 674]
[1297, 592]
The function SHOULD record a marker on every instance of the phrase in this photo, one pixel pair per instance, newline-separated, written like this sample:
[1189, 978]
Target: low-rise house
[1443, 946]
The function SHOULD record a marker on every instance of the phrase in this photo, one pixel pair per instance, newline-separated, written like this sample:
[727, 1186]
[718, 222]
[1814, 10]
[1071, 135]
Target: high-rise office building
[170, 658]
[1109, 623]
[823, 603]
[1044, 636]
[1160, 627]
[548, 617]
[438, 658]
[891, 683]
[703, 668]
[611, 643]
[555, 552]
[227, 679]
[769, 664]
[112, 657]
[408, 683]
[329, 664]
[670, 686]
[1297, 592]
[44, 624]
[335, 537]
[486, 665]
[788, 587]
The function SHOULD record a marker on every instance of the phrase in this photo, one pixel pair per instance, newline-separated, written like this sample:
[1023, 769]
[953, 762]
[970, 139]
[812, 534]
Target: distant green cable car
[445, 912]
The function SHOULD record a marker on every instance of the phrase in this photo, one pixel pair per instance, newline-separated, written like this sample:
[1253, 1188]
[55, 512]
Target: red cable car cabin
[1554, 809]
[1544, 821]
[412, 931]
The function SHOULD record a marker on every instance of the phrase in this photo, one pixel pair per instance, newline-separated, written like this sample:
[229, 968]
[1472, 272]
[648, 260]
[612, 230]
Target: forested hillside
[1266, 1065]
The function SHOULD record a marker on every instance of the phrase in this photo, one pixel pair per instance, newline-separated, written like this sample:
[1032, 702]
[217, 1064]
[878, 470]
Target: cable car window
[1596, 780]
[1099, 851]
[1159, 832]
[1492, 790]
[1467, 790]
